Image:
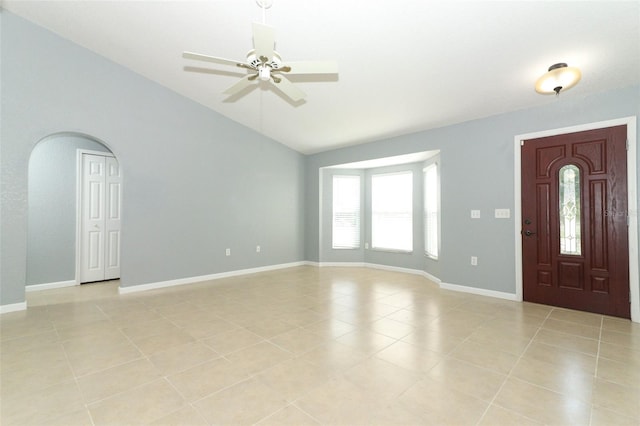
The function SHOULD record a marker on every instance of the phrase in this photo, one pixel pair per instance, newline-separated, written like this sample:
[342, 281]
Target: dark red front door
[574, 213]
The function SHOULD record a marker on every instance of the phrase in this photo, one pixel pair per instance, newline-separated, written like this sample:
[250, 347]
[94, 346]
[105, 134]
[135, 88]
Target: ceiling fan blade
[312, 67]
[289, 89]
[264, 38]
[240, 85]
[201, 57]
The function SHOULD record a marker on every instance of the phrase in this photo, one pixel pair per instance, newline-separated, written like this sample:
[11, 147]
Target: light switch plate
[475, 214]
[502, 213]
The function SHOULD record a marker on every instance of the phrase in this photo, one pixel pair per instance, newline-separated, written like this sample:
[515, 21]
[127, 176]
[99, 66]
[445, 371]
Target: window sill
[385, 250]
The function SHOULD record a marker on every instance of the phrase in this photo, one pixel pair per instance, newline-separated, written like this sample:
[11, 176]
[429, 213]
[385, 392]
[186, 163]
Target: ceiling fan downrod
[264, 5]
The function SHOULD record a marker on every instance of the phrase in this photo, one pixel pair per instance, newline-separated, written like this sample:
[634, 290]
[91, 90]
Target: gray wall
[194, 182]
[477, 171]
[51, 228]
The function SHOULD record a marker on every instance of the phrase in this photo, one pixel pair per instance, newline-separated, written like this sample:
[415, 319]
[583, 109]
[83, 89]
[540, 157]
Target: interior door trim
[632, 197]
[79, 154]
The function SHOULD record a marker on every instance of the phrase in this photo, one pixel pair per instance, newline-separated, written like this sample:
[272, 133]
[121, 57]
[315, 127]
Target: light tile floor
[308, 346]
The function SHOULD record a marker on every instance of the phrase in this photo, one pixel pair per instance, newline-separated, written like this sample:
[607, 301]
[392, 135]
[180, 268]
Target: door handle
[528, 233]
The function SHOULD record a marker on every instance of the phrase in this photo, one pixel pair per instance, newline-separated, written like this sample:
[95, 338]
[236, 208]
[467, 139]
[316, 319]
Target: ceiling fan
[265, 64]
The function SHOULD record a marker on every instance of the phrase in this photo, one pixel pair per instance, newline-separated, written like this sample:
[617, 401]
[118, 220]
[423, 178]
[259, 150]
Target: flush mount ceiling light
[559, 77]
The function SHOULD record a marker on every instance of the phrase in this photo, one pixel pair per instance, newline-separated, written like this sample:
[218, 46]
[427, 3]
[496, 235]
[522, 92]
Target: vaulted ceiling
[404, 66]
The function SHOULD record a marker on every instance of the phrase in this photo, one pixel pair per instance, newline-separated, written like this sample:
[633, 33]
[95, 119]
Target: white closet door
[113, 198]
[100, 241]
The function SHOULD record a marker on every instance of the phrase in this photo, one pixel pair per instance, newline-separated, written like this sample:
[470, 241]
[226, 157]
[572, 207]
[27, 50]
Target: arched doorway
[54, 213]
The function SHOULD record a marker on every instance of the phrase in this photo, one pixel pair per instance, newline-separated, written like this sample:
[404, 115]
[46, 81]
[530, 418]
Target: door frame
[79, 175]
[632, 197]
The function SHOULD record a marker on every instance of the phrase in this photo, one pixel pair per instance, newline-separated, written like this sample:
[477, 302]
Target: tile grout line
[75, 376]
[256, 375]
[293, 404]
[595, 374]
[142, 356]
[186, 401]
[509, 375]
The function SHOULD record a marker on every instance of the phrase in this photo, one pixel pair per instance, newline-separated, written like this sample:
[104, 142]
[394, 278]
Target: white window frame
[354, 209]
[431, 212]
[375, 245]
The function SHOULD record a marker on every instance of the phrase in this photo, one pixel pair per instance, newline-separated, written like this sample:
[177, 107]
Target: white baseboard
[199, 279]
[446, 286]
[14, 307]
[393, 268]
[49, 286]
[478, 291]
[341, 264]
[431, 277]
[378, 266]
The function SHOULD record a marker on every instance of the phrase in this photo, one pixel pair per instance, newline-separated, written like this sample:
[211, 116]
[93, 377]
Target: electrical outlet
[257, 249]
[474, 261]
[228, 252]
[475, 214]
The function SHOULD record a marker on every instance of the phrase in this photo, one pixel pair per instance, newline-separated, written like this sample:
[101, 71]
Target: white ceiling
[405, 65]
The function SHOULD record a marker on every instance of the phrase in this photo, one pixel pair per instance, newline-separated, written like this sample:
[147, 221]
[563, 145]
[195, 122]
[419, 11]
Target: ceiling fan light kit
[264, 64]
[559, 77]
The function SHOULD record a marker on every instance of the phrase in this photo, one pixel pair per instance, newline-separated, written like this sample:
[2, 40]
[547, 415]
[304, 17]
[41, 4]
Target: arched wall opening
[52, 222]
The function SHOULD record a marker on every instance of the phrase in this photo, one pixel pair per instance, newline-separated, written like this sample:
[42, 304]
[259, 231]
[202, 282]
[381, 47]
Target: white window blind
[346, 212]
[392, 211]
[431, 210]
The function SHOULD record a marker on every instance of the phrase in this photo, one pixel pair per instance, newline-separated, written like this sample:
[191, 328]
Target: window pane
[346, 212]
[570, 242]
[431, 210]
[392, 211]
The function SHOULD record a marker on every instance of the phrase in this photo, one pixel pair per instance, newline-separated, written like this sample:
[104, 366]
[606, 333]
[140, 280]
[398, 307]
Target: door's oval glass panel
[570, 210]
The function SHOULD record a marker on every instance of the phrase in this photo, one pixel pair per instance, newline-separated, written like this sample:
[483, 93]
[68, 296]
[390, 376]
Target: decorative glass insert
[570, 242]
